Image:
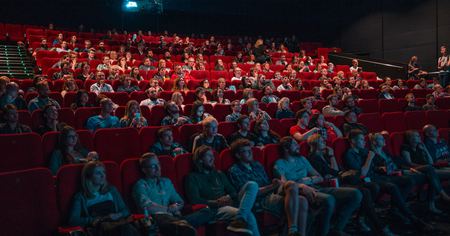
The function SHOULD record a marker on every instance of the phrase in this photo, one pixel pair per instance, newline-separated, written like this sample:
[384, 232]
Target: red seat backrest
[340, 146]
[82, 114]
[389, 105]
[393, 121]
[157, 113]
[226, 159]
[28, 203]
[148, 136]
[187, 132]
[220, 111]
[439, 118]
[396, 141]
[271, 154]
[20, 151]
[227, 128]
[372, 121]
[368, 105]
[415, 119]
[183, 166]
[117, 144]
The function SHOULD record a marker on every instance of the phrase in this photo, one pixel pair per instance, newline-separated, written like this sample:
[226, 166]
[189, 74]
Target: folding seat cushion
[28, 203]
[120, 98]
[200, 74]
[415, 119]
[389, 105]
[157, 113]
[117, 144]
[226, 158]
[20, 151]
[68, 183]
[372, 121]
[340, 145]
[440, 119]
[131, 172]
[148, 136]
[271, 153]
[220, 111]
[393, 121]
[188, 132]
[227, 128]
[396, 142]
[82, 115]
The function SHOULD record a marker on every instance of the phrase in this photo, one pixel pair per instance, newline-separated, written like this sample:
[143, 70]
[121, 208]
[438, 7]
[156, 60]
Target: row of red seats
[130, 142]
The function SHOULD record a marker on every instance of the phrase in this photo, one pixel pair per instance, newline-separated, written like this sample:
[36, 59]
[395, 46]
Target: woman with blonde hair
[178, 99]
[179, 85]
[133, 117]
[99, 203]
[283, 109]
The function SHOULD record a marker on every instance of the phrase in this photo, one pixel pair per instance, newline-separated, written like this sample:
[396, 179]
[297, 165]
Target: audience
[351, 123]
[350, 105]
[264, 135]
[81, 100]
[173, 115]
[209, 136]
[300, 131]
[12, 96]
[133, 116]
[254, 112]
[411, 103]
[50, 120]
[152, 99]
[198, 113]
[436, 146]
[12, 124]
[429, 105]
[331, 109]
[101, 86]
[244, 132]
[166, 145]
[283, 109]
[104, 119]
[42, 99]
[327, 129]
[269, 97]
[236, 112]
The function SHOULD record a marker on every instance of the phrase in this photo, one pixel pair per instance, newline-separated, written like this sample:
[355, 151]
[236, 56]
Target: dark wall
[388, 29]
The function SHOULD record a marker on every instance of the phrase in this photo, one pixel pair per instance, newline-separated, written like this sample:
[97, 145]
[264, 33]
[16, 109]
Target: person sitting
[178, 99]
[42, 99]
[350, 105]
[104, 119]
[436, 146]
[283, 109]
[327, 129]
[279, 197]
[209, 136]
[360, 160]
[105, 65]
[50, 120]
[101, 86]
[411, 100]
[179, 85]
[385, 92]
[355, 65]
[430, 103]
[69, 151]
[173, 116]
[206, 185]
[114, 73]
[166, 145]
[317, 96]
[152, 99]
[285, 85]
[243, 132]
[135, 74]
[400, 85]
[237, 74]
[147, 65]
[126, 85]
[351, 123]
[246, 83]
[198, 113]
[218, 97]
[11, 96]
[291, 166]
[246, 95]
[254, 112]
[300, 131]
[219, 66]
[97, 202]
[81, 100]
[268, 95]
[323, 160]
[236, 112]
[69, 86]
[12, 124]
[264, 135]
[65, 70]
[307, 104]
[189, 66]
[156, 196]
[133, 117]
[331, 109]
[200, 95]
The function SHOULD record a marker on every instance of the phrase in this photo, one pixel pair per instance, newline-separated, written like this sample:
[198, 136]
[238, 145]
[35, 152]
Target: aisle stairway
[14, 61]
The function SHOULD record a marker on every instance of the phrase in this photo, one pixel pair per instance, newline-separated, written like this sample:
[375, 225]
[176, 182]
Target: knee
[329, 203]
[291, 187]
[251, 186]
[303, 204]
[357, 196]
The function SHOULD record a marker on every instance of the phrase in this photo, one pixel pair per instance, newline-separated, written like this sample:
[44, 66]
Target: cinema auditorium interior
[224, 118]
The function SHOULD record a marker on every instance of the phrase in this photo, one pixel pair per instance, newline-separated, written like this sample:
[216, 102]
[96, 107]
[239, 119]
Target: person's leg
[291, 205]
[326, 204]
[229, 213]
[368, 209]
[200, 217]
[171, 225]
[397, 199]
[347, 201]
[405, 184]
[302, 215]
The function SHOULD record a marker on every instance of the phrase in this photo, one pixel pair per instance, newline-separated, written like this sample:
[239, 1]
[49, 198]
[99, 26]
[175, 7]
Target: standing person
[443, 66]
[157, 196]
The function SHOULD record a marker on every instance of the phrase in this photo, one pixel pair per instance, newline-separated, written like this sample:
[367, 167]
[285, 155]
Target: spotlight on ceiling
[131, 6]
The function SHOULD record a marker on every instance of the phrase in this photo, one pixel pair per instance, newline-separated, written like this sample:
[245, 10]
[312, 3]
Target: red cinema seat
[215, 75]
[293, 95]
[187, 133]
[183, 166]
[287, 123]
[443, 103]
[368, 105]
[220, 111]
[271, 153]
[82, 115]
[24, 117]
[368, 94]
[117, 144]
[86, 140]
[148, 136]
[200, 74]
[28, 203]
[20, 151]
[138, 96]
[340, 145]
[389, 105]
[120, 98]
[276, 126]
[440, 119]
[226, 158]
[372, 121]
[68, 183]
[227, 128]
[157, 113]
[49, 144]
[396, 141]
[444, 133]
[415, 119]
[393, 121]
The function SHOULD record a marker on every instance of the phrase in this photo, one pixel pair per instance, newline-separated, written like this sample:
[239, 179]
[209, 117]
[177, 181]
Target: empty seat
[220, 111]
[389, 105]
[372, 121]
[227, 128]
[82, 115]
[440, 118]
[28, 203]
[117, 144]
[415, 119]
[393, 121]
[187, 133]
[20, 151]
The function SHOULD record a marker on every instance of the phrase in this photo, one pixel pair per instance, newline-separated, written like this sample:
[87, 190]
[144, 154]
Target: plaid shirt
[240, 174]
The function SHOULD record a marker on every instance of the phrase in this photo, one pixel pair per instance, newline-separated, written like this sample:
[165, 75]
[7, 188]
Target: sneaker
[239, 226]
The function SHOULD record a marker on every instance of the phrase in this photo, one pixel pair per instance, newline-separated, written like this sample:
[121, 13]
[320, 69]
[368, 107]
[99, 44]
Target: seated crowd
[298, 187]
